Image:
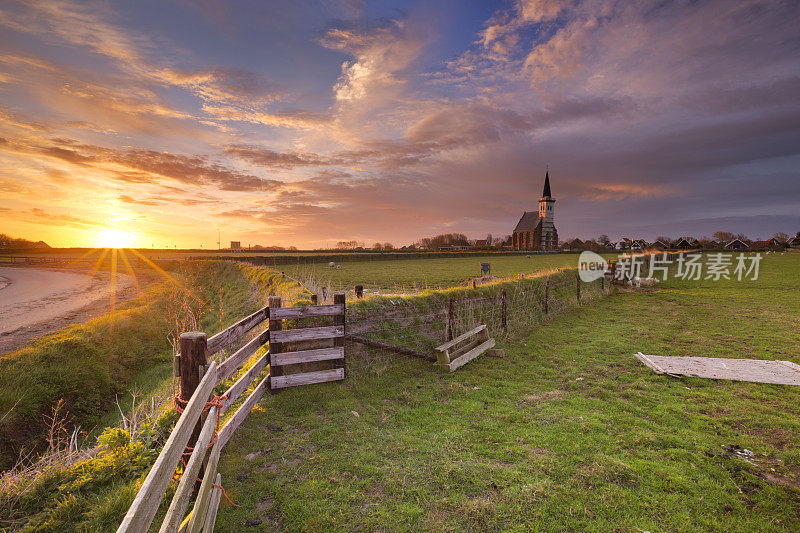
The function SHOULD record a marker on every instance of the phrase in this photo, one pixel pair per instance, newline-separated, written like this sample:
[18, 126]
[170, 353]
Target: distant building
[537, 231]
[236, 245]
[480, 244]
[770, 244]
[737, 244]
[624, 244]
[659, 245]
[683, 244]
[574, 244]
[776, 244]
[794, 242]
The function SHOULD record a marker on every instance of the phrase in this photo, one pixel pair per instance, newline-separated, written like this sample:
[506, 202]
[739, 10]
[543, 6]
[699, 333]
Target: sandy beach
[37, 301]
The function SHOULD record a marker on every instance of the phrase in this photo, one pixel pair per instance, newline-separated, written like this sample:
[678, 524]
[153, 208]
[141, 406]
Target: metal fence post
[547, 296]
[503, 310]
[450, 319]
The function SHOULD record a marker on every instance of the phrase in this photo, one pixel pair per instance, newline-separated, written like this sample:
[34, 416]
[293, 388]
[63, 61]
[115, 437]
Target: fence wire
[422, 323]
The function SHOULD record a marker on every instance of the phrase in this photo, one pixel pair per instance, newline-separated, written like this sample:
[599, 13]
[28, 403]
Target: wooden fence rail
[198, 421]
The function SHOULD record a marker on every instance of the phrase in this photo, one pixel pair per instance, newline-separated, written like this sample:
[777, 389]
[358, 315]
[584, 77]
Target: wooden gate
[302, 356]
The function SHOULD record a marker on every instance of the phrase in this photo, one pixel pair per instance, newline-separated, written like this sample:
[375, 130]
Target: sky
[170, 122]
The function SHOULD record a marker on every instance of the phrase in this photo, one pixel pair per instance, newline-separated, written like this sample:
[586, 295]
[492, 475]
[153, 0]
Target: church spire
[546, 191]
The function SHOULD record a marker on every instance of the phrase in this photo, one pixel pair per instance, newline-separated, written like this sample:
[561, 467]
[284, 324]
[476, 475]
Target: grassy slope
[96, 494]
[424, 273]
[88, 364]
[569, 432]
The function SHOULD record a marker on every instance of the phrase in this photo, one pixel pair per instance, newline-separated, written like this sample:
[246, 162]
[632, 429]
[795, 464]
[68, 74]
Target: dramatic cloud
[286, 123]
[269, 158]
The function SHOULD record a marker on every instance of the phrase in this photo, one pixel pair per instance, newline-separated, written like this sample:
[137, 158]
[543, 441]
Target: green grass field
[568, 432]
[404, 275]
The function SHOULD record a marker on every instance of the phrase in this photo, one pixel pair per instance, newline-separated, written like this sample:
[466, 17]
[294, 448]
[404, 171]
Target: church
[536, 230]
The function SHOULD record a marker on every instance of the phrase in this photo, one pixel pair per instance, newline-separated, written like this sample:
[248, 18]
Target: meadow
[568, 432]
[412, 275]
[399, 272]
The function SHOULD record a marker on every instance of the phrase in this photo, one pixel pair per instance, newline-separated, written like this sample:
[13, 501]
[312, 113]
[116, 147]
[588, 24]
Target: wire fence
[420, 323]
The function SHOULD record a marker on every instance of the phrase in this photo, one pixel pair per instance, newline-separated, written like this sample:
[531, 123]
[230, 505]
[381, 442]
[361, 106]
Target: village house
[684, 244]
[737, 244]
[536, 230]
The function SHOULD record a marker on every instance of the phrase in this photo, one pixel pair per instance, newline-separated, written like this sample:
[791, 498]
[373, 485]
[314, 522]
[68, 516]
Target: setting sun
[114, 238]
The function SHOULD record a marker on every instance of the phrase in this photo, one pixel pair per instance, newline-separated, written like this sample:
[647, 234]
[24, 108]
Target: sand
[36, 301]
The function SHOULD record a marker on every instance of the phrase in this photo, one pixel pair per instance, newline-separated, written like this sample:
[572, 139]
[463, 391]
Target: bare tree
[724, 236]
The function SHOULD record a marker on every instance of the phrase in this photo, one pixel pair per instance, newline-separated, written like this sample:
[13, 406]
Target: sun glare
[114, 238]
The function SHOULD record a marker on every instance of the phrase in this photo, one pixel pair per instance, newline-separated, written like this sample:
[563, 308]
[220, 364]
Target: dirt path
[37, 301]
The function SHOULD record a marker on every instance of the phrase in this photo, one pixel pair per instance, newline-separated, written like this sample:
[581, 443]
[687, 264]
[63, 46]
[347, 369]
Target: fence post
[603, 283]
[313, 299]
[578, 287]
[547, 296]
[359, 291]
[340, 320]
[450, 319]
[503, 310]
[275, 347]
[192, 357]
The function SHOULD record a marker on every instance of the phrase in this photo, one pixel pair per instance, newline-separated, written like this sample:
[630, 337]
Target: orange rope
[180, 406]
[225, 494]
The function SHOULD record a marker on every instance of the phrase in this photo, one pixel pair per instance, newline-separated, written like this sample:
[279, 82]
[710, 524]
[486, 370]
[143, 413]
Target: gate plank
[307, 356]
[293, 380]
[307, 334]
[306, 312]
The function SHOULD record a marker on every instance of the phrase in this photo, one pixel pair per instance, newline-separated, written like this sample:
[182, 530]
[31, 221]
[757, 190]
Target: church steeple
[546, 191]
[538, 233]
[546, 202]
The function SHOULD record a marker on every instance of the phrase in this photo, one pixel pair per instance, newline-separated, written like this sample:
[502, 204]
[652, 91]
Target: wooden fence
[196, 429]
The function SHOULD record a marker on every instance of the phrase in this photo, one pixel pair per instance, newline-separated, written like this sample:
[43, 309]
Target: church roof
[528, 222]
[546, 191]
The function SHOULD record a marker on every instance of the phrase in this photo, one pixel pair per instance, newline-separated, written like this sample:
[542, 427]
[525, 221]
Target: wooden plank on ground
[307, 356]
[648, 362]
[470, 355]
[234, 332]
[455, 353]
[232, 363]
[233, 393]
[238, 417]
[145, 505]
[790, 365]
[306, 312]
[753, 370]
[177, 508]
[391, 347]
[307, 378]
[307, 334]
[460, 338]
